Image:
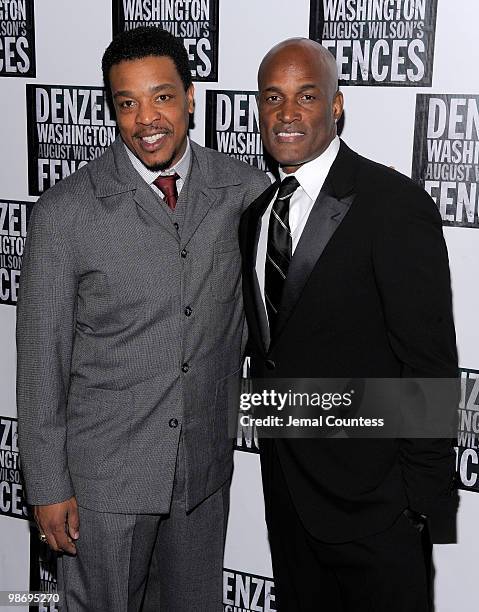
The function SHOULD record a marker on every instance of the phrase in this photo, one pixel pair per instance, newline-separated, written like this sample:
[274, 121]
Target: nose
[289, 111]
[147, 113]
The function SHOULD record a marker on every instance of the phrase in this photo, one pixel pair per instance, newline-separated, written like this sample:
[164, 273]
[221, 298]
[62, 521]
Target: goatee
[160, 167]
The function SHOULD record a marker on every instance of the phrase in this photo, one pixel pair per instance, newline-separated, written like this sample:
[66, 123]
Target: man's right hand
[60, 523]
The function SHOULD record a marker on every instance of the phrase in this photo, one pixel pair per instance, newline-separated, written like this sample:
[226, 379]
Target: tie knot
[167, 185]
[166, 182]
[287, 188]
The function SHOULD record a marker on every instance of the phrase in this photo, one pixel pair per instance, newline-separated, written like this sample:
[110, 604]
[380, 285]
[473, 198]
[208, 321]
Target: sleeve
[258, 183]
[412, 275]
[45, 328]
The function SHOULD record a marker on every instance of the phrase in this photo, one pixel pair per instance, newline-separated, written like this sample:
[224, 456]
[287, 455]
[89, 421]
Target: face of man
[152, 109]
[298, 104]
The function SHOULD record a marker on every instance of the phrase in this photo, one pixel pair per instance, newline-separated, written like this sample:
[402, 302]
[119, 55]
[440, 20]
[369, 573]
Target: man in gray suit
[129, 337]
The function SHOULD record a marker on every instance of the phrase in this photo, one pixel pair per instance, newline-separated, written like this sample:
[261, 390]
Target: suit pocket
[225, 281]
[98, 431]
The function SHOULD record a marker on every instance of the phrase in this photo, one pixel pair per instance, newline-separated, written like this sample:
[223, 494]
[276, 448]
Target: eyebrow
[155, 89]
[302, 88]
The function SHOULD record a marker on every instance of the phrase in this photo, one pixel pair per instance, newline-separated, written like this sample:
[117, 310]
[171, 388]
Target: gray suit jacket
[129, 332]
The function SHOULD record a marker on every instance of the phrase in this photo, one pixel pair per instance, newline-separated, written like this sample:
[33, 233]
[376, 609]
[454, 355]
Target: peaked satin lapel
[252, 231]
[328, 211]
[323, 221]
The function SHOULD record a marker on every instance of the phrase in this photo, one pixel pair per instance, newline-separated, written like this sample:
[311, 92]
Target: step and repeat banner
[408, 71]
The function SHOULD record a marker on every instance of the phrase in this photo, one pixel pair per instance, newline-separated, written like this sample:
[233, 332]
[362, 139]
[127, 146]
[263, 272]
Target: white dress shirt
[311, 177]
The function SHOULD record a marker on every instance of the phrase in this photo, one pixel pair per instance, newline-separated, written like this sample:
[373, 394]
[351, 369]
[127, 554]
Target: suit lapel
[207, 177]
[323, 221]
[260, 327]
[150, 202]
[328, 212]
[121, 177]
[199, 199]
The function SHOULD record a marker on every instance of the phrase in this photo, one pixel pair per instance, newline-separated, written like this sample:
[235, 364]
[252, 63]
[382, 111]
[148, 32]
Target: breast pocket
[225, 282]
[98, 431]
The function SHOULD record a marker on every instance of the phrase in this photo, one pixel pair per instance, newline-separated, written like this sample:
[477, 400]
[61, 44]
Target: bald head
[310, 51]
[299, 101]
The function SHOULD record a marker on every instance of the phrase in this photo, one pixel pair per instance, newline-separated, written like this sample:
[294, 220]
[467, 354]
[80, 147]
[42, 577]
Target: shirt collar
[181, 167]
[312, 174]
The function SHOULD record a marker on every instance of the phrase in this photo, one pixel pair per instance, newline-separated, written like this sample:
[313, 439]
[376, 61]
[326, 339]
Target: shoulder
[62, 211]
[392, 193]
[70, 195]
[228, 168]
[373, 175]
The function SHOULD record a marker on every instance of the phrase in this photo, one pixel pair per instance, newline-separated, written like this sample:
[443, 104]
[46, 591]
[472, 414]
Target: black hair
[146, 41]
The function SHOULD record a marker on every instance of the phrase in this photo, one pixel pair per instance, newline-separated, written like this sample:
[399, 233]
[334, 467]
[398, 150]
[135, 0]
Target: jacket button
[185, 367]
[173, 423]
[270, 364]
[188, 311]
[177, 227]
[184, 253]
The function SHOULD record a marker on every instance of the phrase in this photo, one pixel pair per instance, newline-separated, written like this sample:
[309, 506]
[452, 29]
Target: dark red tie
[167, 186]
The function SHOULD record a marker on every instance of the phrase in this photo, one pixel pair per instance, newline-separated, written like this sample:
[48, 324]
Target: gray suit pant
[148, 562]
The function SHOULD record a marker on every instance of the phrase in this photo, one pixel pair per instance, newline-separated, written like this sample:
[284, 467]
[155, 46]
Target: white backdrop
[71, 36]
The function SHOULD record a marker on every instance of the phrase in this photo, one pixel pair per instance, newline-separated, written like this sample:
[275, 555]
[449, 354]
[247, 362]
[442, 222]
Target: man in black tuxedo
[345, 275]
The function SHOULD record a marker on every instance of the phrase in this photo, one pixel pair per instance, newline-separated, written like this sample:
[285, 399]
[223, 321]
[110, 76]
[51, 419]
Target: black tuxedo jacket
[367, 295]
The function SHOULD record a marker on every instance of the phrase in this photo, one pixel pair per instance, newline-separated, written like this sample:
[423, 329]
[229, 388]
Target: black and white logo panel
[247, 592]
[446, 155]
[378, 42]
[232, 125]
[43, 573]
[468, 432]
[17, 38]
[67, 127]
[14, 217]
[194, 21]
[12, 492]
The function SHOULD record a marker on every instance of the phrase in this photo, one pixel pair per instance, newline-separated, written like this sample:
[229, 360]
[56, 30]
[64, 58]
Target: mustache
[288, 130]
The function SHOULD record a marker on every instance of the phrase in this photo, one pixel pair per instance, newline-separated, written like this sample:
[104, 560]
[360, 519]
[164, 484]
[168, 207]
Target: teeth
[290, 134]
[152, 139]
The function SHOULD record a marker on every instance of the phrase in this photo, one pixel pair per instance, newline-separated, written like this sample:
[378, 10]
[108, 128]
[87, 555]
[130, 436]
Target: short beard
[161, 166]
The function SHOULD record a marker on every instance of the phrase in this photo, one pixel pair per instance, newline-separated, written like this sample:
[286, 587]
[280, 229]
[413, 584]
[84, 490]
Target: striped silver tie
[279, 251]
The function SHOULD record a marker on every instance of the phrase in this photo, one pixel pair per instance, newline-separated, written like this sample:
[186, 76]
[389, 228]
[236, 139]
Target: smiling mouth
[152, 142]
[153, 138]
[288, 136]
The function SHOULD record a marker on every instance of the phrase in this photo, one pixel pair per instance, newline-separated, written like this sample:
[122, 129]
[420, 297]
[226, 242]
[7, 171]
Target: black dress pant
[385, 572]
